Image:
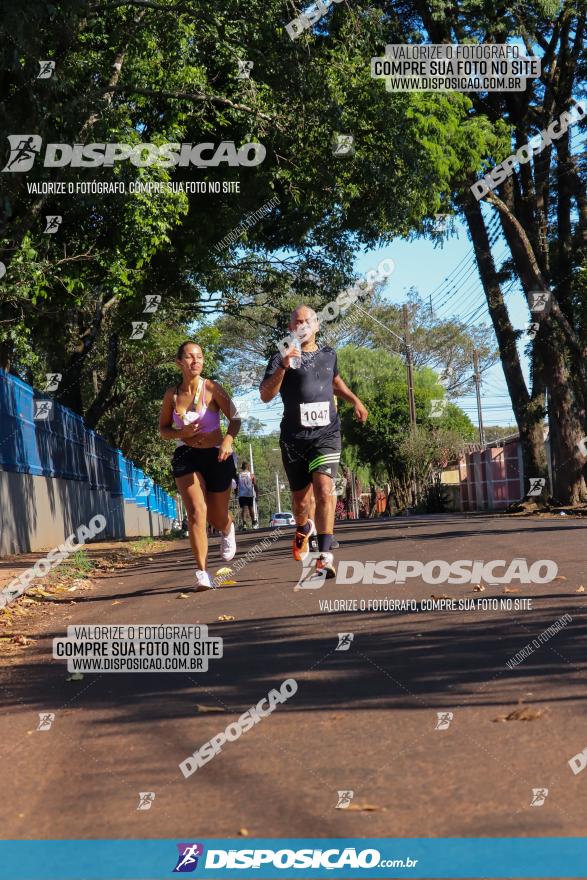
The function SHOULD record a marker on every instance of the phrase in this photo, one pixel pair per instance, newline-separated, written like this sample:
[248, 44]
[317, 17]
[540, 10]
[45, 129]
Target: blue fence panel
[125, 476]
[149, 489]
[132, 479]
[18, 449]
[139, 485]
[41, 437]
[68, 444]
[157, 499]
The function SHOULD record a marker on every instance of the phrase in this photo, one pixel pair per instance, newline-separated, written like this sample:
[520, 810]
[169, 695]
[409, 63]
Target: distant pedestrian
[247, 490]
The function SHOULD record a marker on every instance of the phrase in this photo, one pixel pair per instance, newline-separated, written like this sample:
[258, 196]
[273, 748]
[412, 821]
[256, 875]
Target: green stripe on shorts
[332, 458]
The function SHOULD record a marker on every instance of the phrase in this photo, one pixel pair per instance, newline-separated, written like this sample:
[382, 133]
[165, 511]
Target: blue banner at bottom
[367, 858]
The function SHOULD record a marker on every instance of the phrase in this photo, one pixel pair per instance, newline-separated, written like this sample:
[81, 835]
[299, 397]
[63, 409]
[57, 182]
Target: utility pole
[409, 364]
[477, 379]
[411, 398]
[353, 495]
[255, 512]
[277, 492]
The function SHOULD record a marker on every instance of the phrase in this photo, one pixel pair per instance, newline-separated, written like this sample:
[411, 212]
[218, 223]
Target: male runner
[310, 432]
[247, 489]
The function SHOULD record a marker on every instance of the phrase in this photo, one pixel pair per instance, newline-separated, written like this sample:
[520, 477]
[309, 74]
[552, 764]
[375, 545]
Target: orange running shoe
[301, 542]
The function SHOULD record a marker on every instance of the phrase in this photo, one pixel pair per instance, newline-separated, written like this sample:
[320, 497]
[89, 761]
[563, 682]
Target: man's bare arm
[340, 389]
[270, 386]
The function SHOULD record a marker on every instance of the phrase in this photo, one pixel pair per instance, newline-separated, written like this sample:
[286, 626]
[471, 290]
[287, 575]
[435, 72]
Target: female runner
[203, 462]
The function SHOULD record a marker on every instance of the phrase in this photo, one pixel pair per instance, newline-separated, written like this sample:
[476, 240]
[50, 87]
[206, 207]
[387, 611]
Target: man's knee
[323, 491]
[301, 500]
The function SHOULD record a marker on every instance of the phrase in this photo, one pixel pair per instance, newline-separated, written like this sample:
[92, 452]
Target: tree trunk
[528, 410]
[6, 350]
[372, 500]
[552, 355]
[100, 403]
[565, 427]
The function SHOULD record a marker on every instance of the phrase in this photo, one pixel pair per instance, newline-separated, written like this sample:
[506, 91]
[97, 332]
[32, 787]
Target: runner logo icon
[539, 795]
[23, 151]
[310, 578]
[187, 860]
[344, 800]
[444, 719]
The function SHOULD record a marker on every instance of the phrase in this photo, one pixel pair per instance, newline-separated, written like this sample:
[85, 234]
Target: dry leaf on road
[365, 808]
[201, 708]
[21, 640]
[525, 713]
[81, 583]
[39, 591]
[226, 617]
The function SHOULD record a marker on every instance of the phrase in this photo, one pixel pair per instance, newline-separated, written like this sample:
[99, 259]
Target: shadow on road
[397, 662]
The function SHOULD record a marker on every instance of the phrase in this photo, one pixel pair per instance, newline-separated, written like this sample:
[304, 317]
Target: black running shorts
[246, 501]
[218, 475]
[302, 458]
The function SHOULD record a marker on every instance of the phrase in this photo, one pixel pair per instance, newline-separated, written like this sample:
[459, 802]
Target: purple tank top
[206, 418]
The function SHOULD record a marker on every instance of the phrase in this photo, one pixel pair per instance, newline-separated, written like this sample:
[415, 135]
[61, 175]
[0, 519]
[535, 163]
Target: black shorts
[302, 458]
[218, 475]
[246, 501]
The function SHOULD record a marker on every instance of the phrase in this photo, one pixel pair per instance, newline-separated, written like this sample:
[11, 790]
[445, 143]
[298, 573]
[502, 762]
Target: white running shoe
[228, 544]
[325, 565]
[202, 581]
[310, 578]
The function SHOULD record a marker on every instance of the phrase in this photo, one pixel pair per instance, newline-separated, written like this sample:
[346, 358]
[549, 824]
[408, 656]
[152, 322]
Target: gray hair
[303, 306]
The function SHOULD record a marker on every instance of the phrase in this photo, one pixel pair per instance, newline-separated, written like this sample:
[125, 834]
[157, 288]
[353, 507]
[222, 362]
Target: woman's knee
[197, 513]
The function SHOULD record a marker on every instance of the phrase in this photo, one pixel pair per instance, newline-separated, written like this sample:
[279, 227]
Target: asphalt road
[362, 720]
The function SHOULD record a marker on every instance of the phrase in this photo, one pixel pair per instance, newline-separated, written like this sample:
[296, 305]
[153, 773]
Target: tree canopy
[165, 71]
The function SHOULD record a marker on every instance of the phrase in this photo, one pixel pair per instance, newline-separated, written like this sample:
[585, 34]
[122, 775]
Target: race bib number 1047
[313, 415]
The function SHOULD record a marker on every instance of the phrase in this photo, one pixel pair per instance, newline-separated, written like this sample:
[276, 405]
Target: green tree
[160, 71]
[124, 75]
[406, 457]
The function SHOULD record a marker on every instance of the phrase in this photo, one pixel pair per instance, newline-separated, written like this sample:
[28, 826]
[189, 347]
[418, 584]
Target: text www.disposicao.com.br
[135, 664]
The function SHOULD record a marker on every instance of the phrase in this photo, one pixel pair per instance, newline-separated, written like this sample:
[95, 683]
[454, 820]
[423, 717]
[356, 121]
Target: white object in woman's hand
[189, 431]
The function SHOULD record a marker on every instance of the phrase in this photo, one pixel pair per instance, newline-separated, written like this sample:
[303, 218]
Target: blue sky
[447, 276]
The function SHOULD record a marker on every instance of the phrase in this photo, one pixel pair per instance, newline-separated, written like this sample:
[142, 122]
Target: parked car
[282, 519]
